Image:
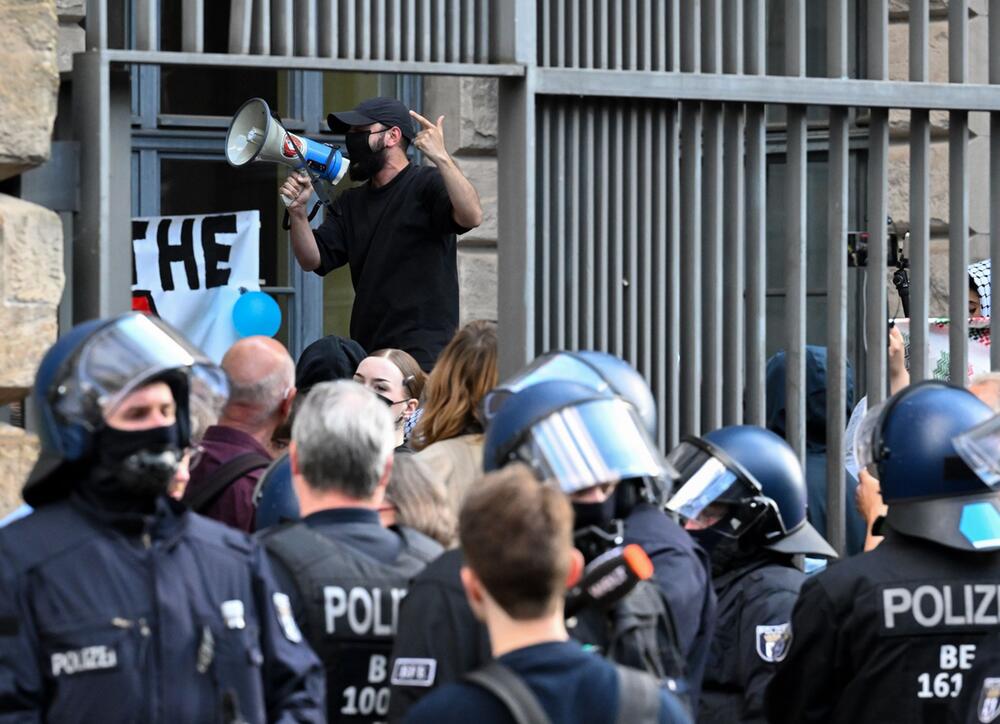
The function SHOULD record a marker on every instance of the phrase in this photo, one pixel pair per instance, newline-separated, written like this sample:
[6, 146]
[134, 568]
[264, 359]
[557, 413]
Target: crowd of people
[402, 535]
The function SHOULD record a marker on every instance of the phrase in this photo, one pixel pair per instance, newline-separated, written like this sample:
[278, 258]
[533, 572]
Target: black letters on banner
[183, 252]
[138, 234]
[216, 253]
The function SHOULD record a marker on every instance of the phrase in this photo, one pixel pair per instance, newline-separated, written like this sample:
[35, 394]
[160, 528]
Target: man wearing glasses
[396, 230]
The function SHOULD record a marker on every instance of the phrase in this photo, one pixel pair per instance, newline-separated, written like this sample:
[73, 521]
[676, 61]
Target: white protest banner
[938, 345]
[188, 270]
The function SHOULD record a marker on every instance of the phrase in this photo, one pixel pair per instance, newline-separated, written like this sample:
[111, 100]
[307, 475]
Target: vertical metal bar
[691, 129]
[572, 31]
[146, 24]
[836, 292]
[674, 34]
[454, 26]
[994, 44]
[545, 33]
[647, 38]
[469, 31]
[795, 237]
[305, 28]
[603, 232]
[559, 34]
[410, 24]
[483, 27]
[590, 202]
[260, 31]
[711, 36]
[920, 139]
[756, 241]
[734, 228]
[712, 268]
[281, 27]
[587, 46]
[193, 33]
[958, 197]
[97, 25]
[364, 29]
[557, 300]
[439, 30]
[617, 319]
[549, 237]
[425, 29]
[395, 48]
[617, 37]
[645, 243]
[632, 36]
[659, 39]
[572, 229]
[630, 282]
[603, 57]
[672, 333]
[240, 23]
[379, 30]
[690, 20]
[876, 305]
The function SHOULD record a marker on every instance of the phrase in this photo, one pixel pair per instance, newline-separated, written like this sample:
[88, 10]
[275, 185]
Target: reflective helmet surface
[597, 370]
[573, 434]
[756, 475]
[87, 373]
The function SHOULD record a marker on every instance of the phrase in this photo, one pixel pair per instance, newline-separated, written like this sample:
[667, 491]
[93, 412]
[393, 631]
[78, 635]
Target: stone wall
[31, 257]
[979, 141]
[469, 106]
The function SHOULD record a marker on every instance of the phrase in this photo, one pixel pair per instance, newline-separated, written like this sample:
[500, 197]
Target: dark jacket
[816, 405]
[168, 617]
[234, 506]
[905, 633]
[752, 634]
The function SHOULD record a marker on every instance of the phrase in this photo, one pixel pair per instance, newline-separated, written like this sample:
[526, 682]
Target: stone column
[979, 142]
[31, 274]
[469, 106]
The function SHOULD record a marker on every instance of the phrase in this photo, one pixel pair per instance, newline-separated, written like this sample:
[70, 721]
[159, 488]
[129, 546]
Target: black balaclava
[365, 160]
[133, 467]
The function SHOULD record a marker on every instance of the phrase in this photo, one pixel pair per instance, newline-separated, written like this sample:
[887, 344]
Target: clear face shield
[122, 357]
[592, 444]
[713, 493]
[980, 449]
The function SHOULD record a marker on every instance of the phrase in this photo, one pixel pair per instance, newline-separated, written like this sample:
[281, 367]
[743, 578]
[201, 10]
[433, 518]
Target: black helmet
[757, 477]
[934, 447]
[90, 370]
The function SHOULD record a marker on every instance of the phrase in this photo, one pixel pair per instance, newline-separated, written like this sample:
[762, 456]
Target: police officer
[908, 632]
[588, 441]
[681, 567]
[742, 495]
[116, 604]
[347, 573]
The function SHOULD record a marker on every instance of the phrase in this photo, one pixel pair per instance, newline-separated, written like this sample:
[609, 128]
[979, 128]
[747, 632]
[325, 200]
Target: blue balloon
[256, 313]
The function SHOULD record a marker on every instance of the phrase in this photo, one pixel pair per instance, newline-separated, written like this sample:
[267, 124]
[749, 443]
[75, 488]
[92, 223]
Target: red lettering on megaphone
[288, 150]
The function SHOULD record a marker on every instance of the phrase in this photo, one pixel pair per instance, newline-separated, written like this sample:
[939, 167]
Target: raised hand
[296, 190]
[430, 139]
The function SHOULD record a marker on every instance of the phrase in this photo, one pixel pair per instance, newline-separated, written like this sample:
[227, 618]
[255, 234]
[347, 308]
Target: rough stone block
[72, 39]
[31, 281]
[937, 51]
[30, 83]
[18, 452]
[898, 200]
[71, 10]
[482, 172]
[470, 109]
[477, 279]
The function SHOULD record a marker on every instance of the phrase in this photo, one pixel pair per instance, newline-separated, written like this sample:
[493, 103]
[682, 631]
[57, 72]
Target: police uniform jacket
[752, 634]
[906, 633]
[168, 617]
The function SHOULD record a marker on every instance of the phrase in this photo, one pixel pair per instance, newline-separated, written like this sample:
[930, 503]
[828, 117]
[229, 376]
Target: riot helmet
[597, 370]
[274, 496]
[87, 374]
[931, 446]
[744, 485]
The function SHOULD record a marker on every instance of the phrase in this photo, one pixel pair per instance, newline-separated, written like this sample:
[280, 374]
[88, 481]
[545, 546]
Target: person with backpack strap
[345, 574]
[517, 535]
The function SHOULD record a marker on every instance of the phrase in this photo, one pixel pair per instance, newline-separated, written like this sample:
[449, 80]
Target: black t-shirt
[571, 685]
[399, 240]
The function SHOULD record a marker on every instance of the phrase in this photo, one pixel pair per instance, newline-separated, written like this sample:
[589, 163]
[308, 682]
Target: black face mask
[136, 464]
[365, 161]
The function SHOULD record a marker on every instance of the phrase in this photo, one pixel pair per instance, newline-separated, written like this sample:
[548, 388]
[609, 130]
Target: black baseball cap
[387, 111]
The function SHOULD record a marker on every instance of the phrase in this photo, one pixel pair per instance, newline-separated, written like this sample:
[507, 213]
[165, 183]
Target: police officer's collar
[343, 515]
[165, 521]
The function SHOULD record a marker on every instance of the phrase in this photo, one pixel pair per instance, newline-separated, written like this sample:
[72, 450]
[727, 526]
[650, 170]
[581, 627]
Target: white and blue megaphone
[255, 135]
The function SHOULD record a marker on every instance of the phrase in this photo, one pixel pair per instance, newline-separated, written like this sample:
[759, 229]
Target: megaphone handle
[286, 222]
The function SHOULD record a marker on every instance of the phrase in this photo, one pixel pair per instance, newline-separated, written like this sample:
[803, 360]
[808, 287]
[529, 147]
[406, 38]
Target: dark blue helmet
[90, 370]
[597, 370]
[918, 443]
[745, 483]
[574, 434]
[274, 495]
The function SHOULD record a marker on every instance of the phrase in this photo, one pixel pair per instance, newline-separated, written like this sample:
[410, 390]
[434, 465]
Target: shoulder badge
[283, 607]
[414, 672]
[989, 701]
[774, 641]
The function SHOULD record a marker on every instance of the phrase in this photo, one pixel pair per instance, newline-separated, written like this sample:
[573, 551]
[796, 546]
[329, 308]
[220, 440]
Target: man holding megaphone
[396, 230]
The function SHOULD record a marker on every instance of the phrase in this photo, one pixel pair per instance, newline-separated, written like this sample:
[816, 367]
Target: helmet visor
[980, 449]
[867, 439]
[123, 356]
[592, 444]
[704, 480]
[550, 367]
